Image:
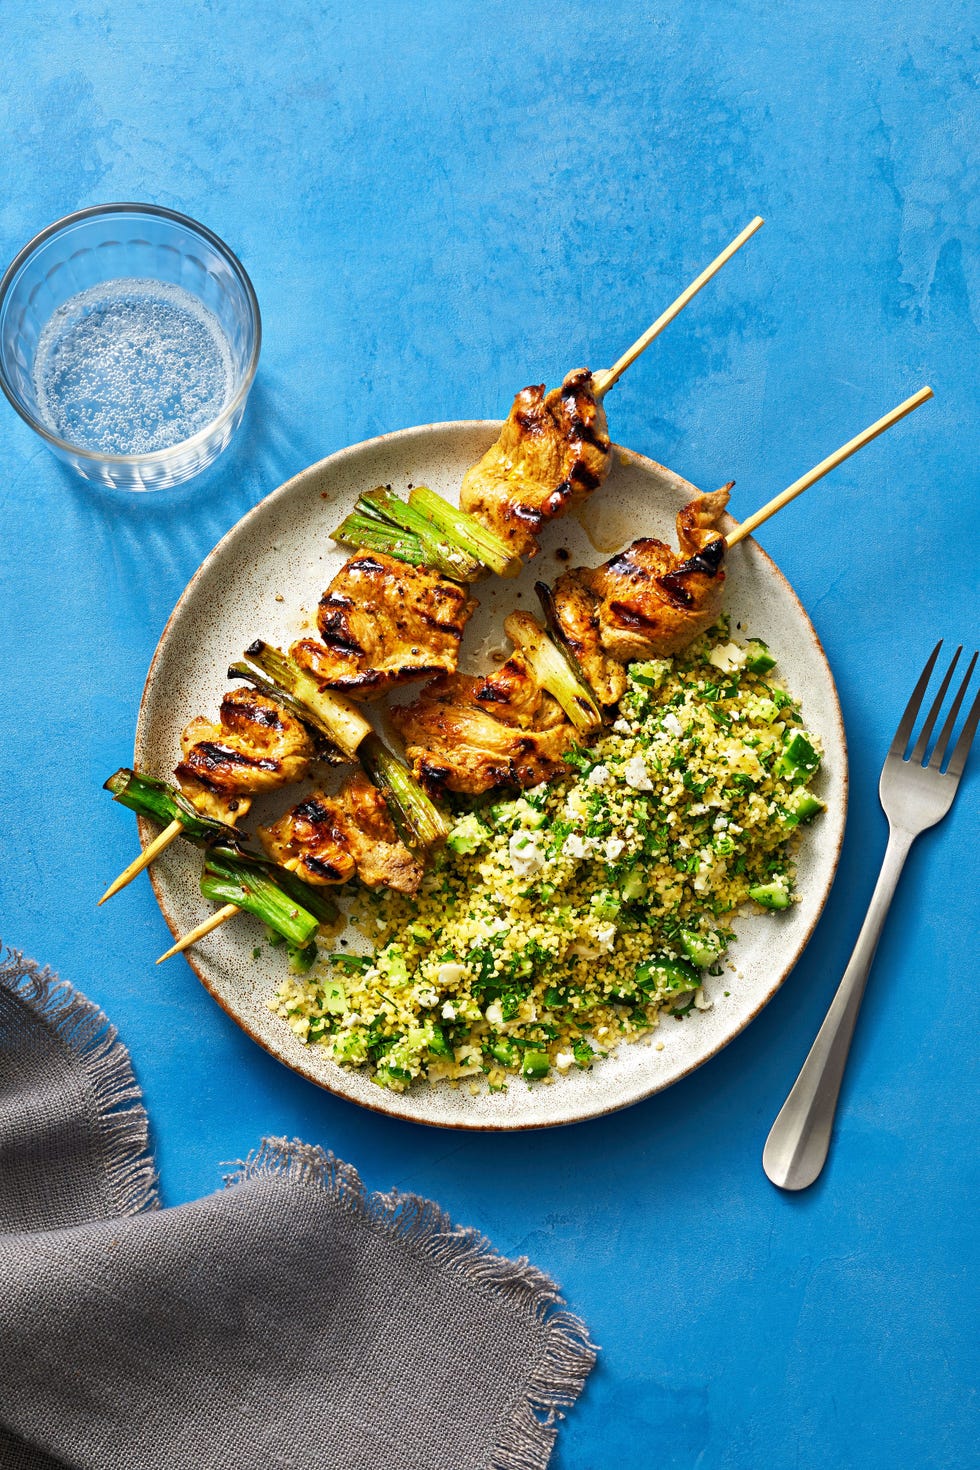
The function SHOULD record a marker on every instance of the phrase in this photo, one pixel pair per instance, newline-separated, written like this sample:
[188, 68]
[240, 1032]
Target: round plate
[266, 577]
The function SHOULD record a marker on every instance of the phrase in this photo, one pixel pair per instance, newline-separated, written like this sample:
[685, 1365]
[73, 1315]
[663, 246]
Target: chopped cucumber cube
[758, 659]
[801, 806]
[701, 949]
[535, 1064]
[668, 975]
[773, 895]
[799, 759]
[467, 835]
[334, 998]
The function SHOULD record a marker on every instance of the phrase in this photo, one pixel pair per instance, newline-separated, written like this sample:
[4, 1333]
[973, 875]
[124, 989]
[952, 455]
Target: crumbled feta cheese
[727, 657]
[605, 936]
[621, 726]
[614, 848]
[576, 846]
[427, 997]
[636, 775]
[701, 1001]
[525, 855]
[494, 1014]
[598, 776]
[564, 1060]
[449, 1011]
[450, 974]
[672, 723]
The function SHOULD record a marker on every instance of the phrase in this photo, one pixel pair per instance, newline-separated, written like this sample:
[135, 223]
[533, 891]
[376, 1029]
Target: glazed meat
[384, 623]
[577, 612]
[553, 451]
[328, 839]
[652, 602]
[255, 746]
[455, 743]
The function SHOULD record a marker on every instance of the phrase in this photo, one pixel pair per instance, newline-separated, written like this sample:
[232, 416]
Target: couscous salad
[578, 914]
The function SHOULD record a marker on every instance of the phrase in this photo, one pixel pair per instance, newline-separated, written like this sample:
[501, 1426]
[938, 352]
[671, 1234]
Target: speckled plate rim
[388, 1103]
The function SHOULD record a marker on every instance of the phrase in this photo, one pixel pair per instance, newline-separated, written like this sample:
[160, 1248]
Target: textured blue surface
[438, 203]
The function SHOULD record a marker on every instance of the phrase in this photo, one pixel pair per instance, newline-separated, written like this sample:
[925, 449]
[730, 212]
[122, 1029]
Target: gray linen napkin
[291, 1319]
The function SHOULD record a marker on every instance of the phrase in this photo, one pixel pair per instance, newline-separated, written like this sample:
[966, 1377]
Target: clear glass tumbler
[138, 265]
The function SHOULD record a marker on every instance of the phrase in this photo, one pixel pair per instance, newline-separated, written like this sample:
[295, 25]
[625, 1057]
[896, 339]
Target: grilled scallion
[419, 821]
[329, 713]
[466, 532]
[552, 669]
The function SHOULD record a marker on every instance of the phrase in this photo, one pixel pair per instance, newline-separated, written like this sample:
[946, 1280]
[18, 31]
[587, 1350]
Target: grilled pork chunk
[469, 734]
[384, 623]
[255, 746]
[553, 451]
[652, 602]
[328, 839]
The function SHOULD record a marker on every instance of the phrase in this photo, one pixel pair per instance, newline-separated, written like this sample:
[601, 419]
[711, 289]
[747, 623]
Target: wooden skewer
[193, 935]
[604, 380]
[828, 464]
[153, 850]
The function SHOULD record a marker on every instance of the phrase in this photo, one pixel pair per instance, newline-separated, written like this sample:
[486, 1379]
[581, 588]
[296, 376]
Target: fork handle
[797, 1146]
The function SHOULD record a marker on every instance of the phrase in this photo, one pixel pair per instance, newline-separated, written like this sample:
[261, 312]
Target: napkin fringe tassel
[115, 1107]
[526, 1439]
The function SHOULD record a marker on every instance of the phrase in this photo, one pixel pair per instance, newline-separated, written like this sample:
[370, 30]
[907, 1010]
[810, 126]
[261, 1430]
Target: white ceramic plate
[278, 560]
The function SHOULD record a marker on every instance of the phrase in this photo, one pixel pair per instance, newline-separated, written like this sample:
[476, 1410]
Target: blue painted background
[438, 203]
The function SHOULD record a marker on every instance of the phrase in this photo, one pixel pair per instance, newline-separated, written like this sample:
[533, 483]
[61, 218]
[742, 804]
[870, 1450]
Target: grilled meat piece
[384, 623]
[553, 451]
[652, 602]
[255, 746]
[455, 743]
[578, 616]
[328, 839]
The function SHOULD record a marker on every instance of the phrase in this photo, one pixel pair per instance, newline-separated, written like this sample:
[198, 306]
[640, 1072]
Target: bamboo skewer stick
[605, 379]
[828, 464]
[153, 850]
[193, 935]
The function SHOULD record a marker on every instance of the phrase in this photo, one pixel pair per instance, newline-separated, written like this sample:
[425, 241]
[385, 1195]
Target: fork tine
[958, 759]
[904, 730]
[946, 732]
[919, 750]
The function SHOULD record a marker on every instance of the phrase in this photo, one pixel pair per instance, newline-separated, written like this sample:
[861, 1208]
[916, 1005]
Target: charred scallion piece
[328, 713]
[419, 821]
[466, 532]
[550, 666]
[259, 889]
[382, 522]
[150, 797]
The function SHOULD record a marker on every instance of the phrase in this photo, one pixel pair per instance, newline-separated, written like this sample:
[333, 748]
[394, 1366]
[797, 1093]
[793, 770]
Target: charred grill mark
[323, 869]
[528, 515]
[671, 584]
[214, 757]
[629, 617]
[242, 710]
[367, 564]
[584, 476]
[311, 810]
[449, 628]
[707, 563]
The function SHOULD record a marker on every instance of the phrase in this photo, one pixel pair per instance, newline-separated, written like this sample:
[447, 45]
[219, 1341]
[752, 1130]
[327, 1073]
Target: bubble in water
[132, 366]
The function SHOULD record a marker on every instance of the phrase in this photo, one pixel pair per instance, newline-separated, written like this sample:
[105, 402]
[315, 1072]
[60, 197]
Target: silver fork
[915, 796]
